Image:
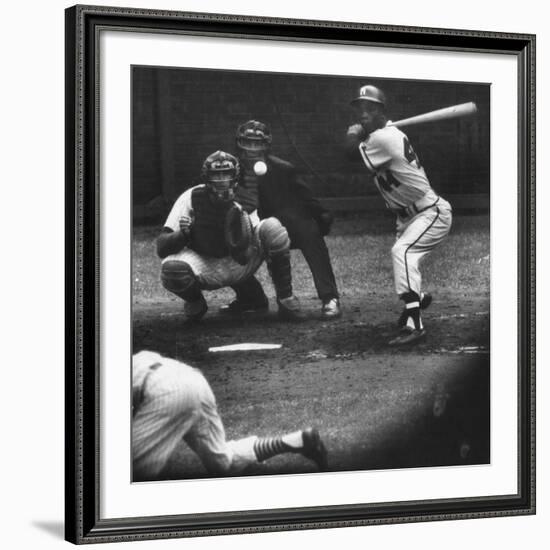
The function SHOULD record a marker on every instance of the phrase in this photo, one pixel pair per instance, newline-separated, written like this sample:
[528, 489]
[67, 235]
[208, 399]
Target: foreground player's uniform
[423, 218]
[172, 401]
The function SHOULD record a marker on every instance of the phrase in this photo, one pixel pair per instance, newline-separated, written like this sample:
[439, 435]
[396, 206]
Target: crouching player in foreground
[172, 401]
[198, 250]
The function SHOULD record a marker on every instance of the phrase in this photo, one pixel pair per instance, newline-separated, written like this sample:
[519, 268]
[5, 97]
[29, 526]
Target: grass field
[375, 406]
[360, 252]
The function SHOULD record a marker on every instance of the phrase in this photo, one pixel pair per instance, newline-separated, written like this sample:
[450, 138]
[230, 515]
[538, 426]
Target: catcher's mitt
[238, 234]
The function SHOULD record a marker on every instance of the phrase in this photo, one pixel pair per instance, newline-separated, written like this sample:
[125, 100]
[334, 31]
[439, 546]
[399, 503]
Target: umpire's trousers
[305, 235]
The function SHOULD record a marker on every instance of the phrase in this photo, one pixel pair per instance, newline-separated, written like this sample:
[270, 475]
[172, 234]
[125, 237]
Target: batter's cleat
[290, 309]
[314, 448]
[241, 308]
[408, 336]
[331, 309]
[424, 304]
[195, 311]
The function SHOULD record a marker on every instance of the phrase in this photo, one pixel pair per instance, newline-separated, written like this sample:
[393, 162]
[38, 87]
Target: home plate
[245, 347]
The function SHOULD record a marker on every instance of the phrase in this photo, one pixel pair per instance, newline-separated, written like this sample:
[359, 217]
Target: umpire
[272, 186]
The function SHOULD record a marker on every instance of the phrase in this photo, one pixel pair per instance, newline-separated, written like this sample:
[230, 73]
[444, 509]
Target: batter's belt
[427, 201]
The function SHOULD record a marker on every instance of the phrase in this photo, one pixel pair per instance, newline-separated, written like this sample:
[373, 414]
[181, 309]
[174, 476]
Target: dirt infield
[376, 407]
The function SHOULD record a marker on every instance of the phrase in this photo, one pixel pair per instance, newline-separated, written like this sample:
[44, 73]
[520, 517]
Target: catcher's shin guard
[274, 237]
[279, 269]
[178, 277]
[276, 246]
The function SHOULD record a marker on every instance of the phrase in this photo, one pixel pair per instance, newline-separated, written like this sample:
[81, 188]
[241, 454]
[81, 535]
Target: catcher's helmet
[370, 93]
[253, 136]
[220, 173]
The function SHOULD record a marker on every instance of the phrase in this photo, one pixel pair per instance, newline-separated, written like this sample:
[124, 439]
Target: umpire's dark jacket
[284, 195]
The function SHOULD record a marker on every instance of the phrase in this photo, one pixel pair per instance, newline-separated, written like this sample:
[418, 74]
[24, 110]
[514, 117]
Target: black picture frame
[83, 524]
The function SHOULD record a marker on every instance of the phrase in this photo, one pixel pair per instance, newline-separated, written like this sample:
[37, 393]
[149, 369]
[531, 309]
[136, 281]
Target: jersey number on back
[409, 154]
[387, 180]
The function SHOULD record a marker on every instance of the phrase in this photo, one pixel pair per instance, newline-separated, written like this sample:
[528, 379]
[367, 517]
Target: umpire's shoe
[195, 310]
[236, 307]
[290, 309]
[331, 309]
[408, 336]
[425, 302]
[314, 448]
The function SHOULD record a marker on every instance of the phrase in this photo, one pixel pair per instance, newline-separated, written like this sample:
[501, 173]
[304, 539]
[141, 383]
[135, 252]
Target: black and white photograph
[300, 274]
[270, 275]
[311, 273]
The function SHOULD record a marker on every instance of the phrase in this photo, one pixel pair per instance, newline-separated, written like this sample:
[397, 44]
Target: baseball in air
[260, 168]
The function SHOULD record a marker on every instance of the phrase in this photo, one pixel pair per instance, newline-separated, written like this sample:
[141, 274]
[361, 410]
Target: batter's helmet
[253, 136]
[370, 93]
[220, 173]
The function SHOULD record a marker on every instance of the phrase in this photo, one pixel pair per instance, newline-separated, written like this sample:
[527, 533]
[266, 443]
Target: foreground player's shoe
[408, 336]
[241, 308]
[425, 302]
[195, 311]
[290, 309]
[314, 448]
[331, 309]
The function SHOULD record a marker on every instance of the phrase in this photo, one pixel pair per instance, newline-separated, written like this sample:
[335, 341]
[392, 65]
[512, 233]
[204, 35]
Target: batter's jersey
[398, 174]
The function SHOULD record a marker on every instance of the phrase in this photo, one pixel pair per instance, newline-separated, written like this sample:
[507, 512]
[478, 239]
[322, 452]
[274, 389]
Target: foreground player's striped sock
[267, 447]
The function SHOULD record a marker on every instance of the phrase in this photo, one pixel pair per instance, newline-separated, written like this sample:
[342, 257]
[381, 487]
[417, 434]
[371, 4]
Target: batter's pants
[416, 238]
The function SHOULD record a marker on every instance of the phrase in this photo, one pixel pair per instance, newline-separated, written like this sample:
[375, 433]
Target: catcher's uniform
[423, 218]
[207, 252]
[172, 401]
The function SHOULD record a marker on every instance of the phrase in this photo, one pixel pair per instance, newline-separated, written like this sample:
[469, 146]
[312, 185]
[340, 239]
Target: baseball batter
[198, 254]
[423, 218]
[172, 401]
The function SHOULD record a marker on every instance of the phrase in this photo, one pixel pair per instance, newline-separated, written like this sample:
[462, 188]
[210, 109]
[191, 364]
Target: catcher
[209, 242]
[271, 185]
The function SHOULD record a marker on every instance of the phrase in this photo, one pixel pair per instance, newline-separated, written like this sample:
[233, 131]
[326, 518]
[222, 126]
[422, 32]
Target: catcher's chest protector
[207, 231]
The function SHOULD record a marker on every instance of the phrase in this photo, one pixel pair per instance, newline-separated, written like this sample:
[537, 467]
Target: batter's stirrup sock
[279, 269]
[412, 305]
[267, 447]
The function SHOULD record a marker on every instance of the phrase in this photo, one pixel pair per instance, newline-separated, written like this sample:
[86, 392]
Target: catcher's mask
[253, 139]
[220, 174]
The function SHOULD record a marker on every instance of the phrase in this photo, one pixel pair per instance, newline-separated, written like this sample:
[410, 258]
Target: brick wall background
[182, 115]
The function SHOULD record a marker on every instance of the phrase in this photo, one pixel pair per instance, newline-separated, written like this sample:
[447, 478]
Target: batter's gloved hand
[357, 130]
[325, 221]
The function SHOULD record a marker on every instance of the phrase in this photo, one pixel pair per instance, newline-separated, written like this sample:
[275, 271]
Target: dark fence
[180, 116]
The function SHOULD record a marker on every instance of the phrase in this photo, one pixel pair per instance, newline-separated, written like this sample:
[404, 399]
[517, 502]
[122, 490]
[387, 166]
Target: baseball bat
[447, 113]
